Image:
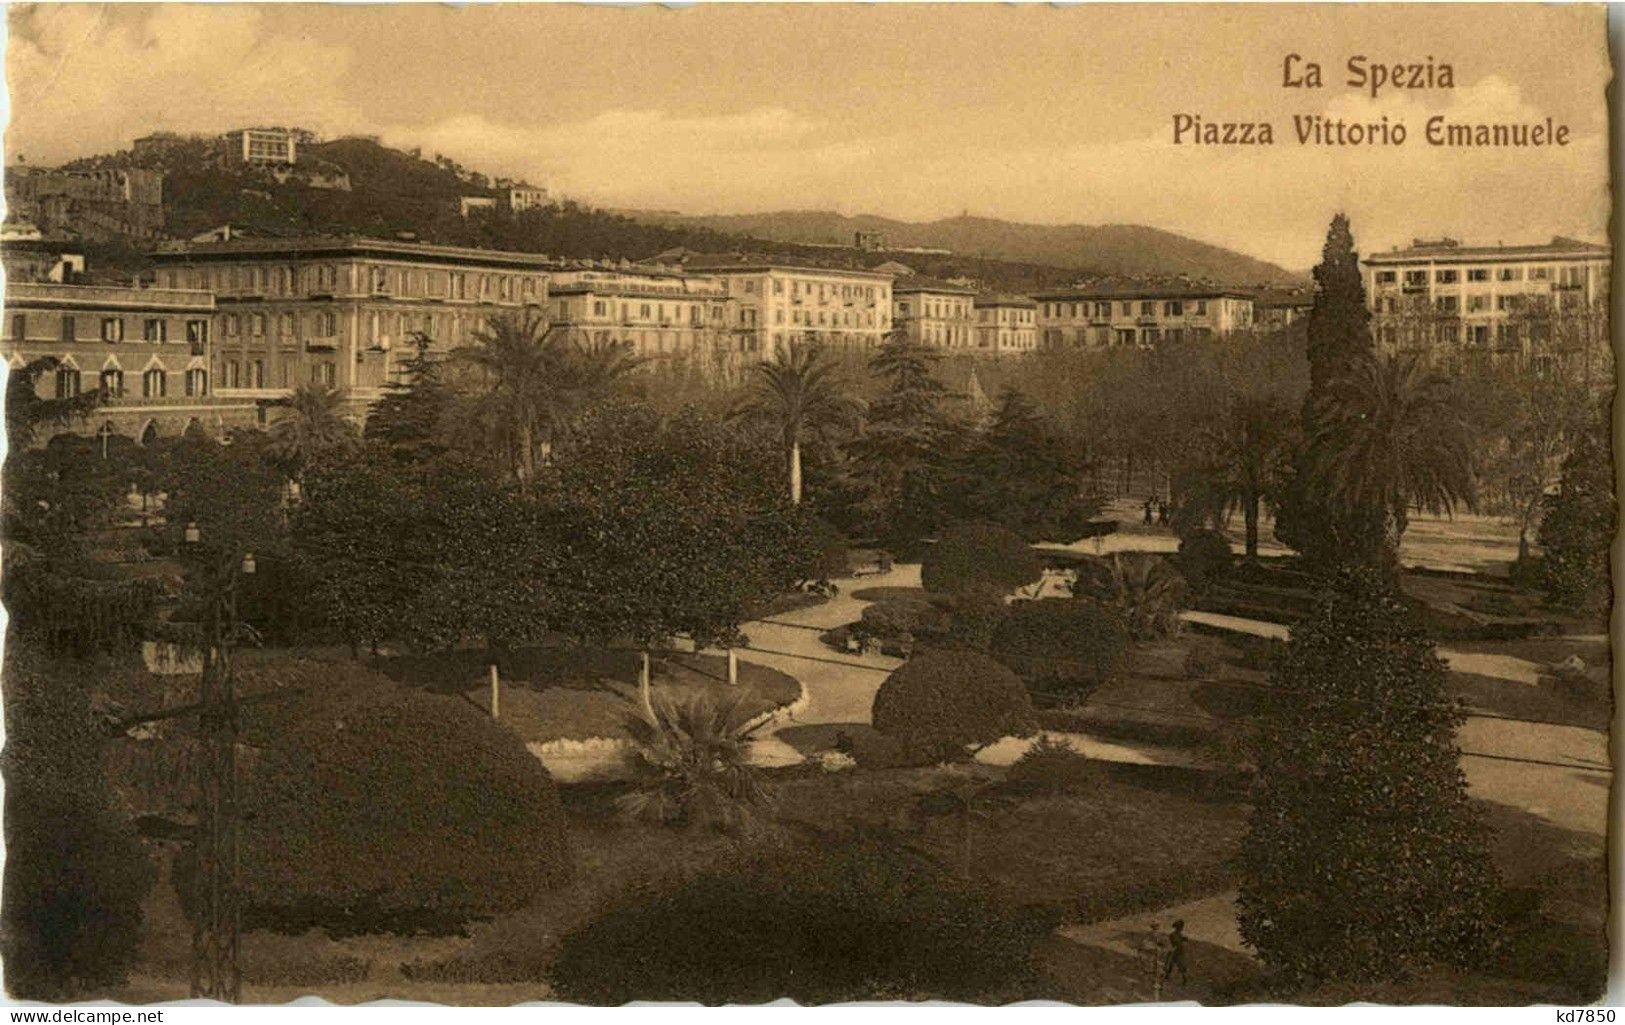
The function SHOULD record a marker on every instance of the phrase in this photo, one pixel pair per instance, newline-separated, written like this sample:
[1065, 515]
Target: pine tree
[1364, 859]
[1339, 337]
[408, 419]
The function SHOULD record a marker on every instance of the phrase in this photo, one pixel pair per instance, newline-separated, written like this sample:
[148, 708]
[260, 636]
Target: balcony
[321, 344]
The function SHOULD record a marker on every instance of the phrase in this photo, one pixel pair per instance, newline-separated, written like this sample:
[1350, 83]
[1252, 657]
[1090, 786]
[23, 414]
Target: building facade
[1006, 325]
[147, 348]
[266, 145]
[1096, 317]
[1532, 303]
[662, 315]
[525, 197]
[779, 303]
[935, 313]
[344, 312]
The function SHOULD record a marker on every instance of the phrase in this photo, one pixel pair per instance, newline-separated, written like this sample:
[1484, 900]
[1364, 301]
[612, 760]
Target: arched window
[197, 381]
[154, 383]
[113, 382]
[67, 382]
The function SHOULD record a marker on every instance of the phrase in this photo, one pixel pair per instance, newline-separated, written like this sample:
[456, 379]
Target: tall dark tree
[1364, 859]
[1022, 474]
[409, 421]
[1578, 530]
[1338, 338]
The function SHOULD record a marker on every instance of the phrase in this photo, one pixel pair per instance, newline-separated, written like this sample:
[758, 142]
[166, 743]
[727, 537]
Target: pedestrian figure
[1153, 951]
[1176, 953]
[1148, 512]
[1162, 513]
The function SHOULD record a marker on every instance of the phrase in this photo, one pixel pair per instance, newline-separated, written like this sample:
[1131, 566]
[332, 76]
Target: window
[256, 374]
[232, 324]
[112, 329]
[1201, 307]
[154, 329]
[197, 381]
[1446, 277]
[259, 325]
[1173, 309]
[1540, 274]
[1478, 274]
[19, 326]
[197, 332]
[113, 382]
[1509, 274]
[1446, 305]
[67, 382]
[1478, 303]
[323, 374]
[154, 384]
[327, 324]
[1416, 279]
[1385, 277]
[286, 330]
[69, 330]
[778, 286]
[233, 374]
[1148, 309]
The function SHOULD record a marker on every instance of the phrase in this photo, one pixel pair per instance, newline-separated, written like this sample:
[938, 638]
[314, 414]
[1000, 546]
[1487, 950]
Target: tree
[1022, 474]
[1389, 438]
[27, 413]
[979, 557]
[531, 382]
[943, 701]
[1246, 460]
[1338, 338]
[410, 418]
[800, 394]
[1364, 859]
[1578, 529]
[312, 427]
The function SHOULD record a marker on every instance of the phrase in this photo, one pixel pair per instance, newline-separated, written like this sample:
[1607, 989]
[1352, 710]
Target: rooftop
[917, 283]
[56, 295]
[339, 245]
[1143, 292]
[1003, 299]
[1559, 248]
[737, 262]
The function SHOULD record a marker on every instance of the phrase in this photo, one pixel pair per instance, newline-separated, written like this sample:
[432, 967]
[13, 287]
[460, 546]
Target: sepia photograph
[520, 502]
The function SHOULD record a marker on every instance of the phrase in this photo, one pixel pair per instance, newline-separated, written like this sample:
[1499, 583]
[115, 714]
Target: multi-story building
[99, 204]
[779, 303]
[1005, 325]
[1139, 316]
[41, 259]
[476, 204]
[1530, 302]
[267, 145]
[343, 312]
[935, 313]
[148, 348]
[1280, 307]
[660, 314]
[525, 196]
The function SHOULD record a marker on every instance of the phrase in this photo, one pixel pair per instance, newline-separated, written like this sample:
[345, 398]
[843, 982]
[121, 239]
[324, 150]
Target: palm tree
[313, 426]
[801, 394]
[1247, 460]
[1391, 438]
[536, 381]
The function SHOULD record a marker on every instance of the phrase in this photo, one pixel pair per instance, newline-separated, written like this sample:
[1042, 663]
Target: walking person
[1148, 511]
[1162, 513]
[1176, 954]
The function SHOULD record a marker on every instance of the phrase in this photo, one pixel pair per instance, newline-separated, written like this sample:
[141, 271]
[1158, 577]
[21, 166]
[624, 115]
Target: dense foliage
[942, 701]
[1022, 473]
[374, 808]
[1143, 589]
[1204, 557]
[691, 760]
[1577, 533]
[979, 557]
[847, 920]
[1061, 648]
[1364, 860]
[76, 874]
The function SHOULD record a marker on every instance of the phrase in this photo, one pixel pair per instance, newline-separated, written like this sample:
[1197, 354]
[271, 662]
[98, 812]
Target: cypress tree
[1339, 335]
[1363, 860]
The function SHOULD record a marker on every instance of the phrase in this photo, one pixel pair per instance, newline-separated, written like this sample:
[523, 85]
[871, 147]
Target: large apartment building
[780, 303]
[1006, 325]
[343, 312]
[148, 348]
[1529, 302]
[935, 313]
[660, 314]
[1093, 317]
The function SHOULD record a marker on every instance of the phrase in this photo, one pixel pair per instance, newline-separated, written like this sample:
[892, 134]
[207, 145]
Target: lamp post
[217, 914]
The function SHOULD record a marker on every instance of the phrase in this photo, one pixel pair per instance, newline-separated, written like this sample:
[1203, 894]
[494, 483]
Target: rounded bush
[1204, 556]
[902, 618]
[852, 921]
[942, 701]
[383, 809]
[1061, 648]
[979, 556]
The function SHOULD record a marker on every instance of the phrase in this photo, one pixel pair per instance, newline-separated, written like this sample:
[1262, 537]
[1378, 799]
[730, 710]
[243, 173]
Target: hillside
[1122, 250]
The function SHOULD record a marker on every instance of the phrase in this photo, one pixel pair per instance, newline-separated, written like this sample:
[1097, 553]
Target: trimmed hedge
[1061, 648]
[384, 809]
[1204, 557]
[942, 701]
[979, 556]
[859, 920]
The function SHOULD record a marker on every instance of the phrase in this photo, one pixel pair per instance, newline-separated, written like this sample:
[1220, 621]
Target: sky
[1037, 113]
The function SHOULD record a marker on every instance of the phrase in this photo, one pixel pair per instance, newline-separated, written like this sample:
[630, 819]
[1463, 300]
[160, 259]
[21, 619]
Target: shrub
[969, 619]
[1204, 557]
[902, 619]
[1059, 647]
[1364, 860]
[942, 701]
[375, 808]
[692, 759]
[1144, 589]
[1577, 532]
[859, 920]
[979, 556]
[1052, 764]
[76, 874]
